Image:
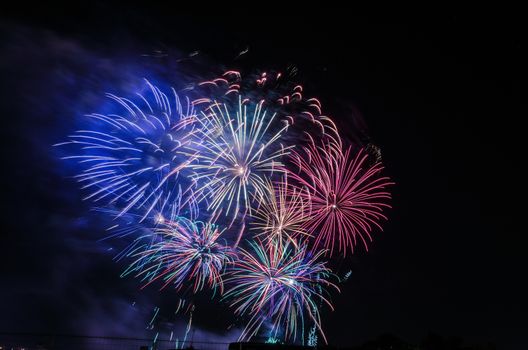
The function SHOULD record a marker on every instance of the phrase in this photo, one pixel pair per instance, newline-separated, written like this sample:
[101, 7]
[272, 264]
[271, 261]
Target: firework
[236, 154]
[276, 92]
[278, 284]
[129, 157]
[186, 252]
[347, 195]
[281, 214]
[252, 151]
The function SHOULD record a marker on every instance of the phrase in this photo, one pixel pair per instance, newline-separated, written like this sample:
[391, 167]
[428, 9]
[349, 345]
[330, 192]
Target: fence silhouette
[32, 341]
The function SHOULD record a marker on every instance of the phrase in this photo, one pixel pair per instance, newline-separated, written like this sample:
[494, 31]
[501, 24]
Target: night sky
[439, 92]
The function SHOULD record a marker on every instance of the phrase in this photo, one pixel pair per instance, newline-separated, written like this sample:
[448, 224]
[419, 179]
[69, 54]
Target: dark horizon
[440, 95]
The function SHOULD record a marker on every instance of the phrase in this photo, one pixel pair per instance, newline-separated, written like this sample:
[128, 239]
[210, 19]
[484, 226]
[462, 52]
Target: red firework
[346, 193]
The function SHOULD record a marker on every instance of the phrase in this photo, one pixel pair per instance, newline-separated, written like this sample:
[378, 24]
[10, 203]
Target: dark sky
[440, 93]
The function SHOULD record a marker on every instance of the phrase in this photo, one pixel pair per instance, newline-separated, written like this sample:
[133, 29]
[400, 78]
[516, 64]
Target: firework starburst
[347, 195]
[185, 252]
[279, 284]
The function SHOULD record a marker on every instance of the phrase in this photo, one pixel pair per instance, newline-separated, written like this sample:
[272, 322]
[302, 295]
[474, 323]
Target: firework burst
[236, 154]
[278, 284]
[347, 195]
[282, 214]
[276, 91]
[130, 157]
[186, 252]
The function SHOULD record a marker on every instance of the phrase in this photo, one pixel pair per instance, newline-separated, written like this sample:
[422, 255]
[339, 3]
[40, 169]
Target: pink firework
[347, 195]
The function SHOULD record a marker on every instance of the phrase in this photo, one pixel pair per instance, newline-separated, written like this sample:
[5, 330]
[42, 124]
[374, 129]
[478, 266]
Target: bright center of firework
[334, 206]
[241, 170]
[290, 282]
[159, 219]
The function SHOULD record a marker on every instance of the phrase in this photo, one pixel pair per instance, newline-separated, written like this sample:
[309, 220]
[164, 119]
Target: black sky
[441, 95]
